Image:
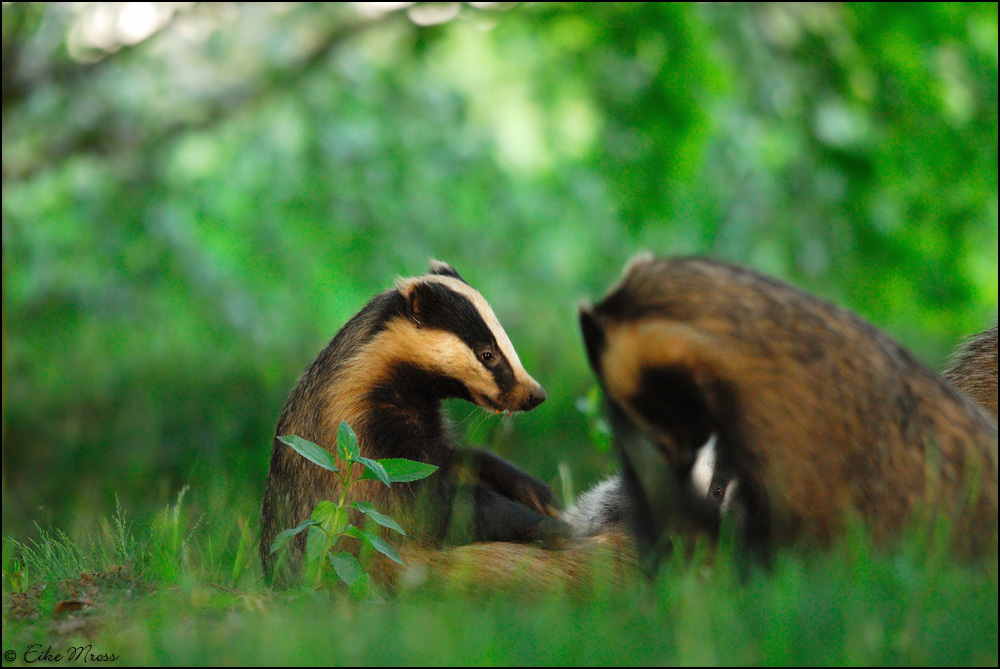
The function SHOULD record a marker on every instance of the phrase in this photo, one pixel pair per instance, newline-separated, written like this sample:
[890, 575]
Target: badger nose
[536, 396]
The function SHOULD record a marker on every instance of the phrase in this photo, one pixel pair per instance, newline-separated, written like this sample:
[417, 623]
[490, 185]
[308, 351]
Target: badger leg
[492, 500]
[498, 518]
[510, 481]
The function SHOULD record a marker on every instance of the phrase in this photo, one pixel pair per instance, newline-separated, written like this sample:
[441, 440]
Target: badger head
[670, 407]
[448, 330]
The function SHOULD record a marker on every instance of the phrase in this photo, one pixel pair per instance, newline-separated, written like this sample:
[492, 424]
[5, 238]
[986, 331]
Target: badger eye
[486, 356]
[718, 492]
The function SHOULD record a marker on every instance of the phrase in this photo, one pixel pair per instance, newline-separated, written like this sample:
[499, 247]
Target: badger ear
[593, 335]
[423, 298]
[641, 258]
[410, 289]
[444, 269]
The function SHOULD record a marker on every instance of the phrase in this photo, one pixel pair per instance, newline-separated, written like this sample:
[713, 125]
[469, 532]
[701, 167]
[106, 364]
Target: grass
[178, 587]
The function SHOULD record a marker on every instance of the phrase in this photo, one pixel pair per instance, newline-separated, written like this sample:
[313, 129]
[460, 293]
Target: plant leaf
[376, 542]
[347, 567]
[310, 451]
[283, 537]
[347, 442]
[324, 510]
[380, 518]
[373, 470]
[316, 540]
[329, 517]
[361, 588]
[401, 470]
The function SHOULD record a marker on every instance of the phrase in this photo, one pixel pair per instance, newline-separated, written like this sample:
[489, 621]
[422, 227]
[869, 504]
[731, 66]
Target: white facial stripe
[486, 312]
[704, 467]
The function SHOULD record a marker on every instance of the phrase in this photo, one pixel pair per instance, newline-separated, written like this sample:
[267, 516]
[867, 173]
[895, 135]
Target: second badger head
[445, 335]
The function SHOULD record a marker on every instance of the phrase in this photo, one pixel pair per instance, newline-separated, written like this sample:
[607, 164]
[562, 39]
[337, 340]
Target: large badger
[811, 414]
[386, 373]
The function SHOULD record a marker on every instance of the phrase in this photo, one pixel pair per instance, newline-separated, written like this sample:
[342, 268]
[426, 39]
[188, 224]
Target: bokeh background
[196, 196]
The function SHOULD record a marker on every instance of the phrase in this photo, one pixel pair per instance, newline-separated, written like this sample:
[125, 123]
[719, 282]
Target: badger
[386, 373]
[815, 414]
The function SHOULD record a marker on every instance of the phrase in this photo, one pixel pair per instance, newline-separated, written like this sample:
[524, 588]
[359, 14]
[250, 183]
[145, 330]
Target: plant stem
[345, 481]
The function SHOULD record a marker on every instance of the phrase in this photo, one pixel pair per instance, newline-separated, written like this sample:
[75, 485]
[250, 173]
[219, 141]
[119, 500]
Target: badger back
[817, 412]
[974, 370]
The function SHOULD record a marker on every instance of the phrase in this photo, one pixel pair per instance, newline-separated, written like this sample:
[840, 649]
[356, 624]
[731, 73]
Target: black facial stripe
[502, 372]
[441, 308]
[669, 399]
[406, 384]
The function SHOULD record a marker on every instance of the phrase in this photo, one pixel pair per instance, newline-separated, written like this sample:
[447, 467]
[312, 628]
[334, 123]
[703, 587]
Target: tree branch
[98, 140]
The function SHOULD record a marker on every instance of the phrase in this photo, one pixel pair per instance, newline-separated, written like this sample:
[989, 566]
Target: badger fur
[816, 414]
[974, 370]
[386, 373]
[604, 508]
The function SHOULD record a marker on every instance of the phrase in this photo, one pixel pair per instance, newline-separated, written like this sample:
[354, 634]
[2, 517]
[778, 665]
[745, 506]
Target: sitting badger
[810, 415]
[386, 373]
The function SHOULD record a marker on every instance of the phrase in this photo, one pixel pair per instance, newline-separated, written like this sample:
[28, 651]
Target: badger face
[448, 330]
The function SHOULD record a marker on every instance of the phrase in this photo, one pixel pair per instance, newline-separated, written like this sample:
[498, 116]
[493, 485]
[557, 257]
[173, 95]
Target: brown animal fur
[974, 370]
[819, 414]
[582, 565]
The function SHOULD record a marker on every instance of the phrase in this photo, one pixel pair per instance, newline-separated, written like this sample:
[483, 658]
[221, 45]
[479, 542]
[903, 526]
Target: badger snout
[536, 395]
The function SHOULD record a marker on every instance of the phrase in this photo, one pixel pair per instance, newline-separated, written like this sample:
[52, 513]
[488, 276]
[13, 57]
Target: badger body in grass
[386, 373]
[816, 415]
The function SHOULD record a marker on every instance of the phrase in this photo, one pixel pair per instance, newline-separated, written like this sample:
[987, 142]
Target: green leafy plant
[329, 522]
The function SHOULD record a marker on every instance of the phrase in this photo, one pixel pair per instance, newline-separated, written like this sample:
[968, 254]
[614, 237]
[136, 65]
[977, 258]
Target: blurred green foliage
[197, 196]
